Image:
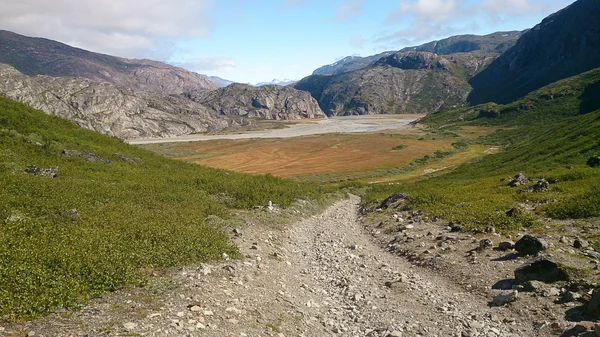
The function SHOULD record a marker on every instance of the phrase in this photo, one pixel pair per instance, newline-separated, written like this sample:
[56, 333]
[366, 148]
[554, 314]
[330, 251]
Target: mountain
[563, 44]
[221, 82]
[497, 42]
[267, 102]
[402, 82]
[275, 81]
[127, 98]
[39, 56]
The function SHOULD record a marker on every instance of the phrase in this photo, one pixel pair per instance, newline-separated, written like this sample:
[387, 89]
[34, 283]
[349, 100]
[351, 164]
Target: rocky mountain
[39, 56]
[125, 113]
[495, 43]
[402, 82]
[221, 82]
[267, 102]
[564, 44]
[132, 98]
[275, 81]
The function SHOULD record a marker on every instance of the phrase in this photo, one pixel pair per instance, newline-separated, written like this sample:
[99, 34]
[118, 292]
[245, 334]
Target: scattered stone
[51, 172]
[505, 297]
[237, 232]
[127, 159]
[594, 161]
[568, 297]
[455, 228]
[195, 308]
[129, 326]
[506, 245]
[541, 186]
[530, 245]
[85, 155]
[518, 180]
[485, 244]
[394, 200]
[580, 243]
[540, 268]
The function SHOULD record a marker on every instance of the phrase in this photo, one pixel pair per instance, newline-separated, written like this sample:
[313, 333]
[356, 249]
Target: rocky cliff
[125, 113]
[562, 45]
[402, 82]
[268, 102]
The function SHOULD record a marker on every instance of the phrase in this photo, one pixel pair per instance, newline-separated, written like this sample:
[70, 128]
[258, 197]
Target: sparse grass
[132, 217]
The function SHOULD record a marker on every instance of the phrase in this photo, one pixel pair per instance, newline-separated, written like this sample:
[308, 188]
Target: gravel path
[324, 276]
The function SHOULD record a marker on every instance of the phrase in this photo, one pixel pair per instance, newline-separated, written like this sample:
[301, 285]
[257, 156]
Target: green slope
[131, 217]
[551, 133]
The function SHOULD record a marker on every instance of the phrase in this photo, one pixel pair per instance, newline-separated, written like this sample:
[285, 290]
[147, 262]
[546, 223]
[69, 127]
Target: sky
[260, 40]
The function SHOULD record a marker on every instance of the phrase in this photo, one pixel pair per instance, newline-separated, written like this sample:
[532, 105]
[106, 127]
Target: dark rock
[518, 180]
[542, 269]
[51, 172]
[530, 245]
[568, 297]
[580, 243]
[593, 307]
[541, 186]
[394, 201]
[85, 155]
[594, 161]
[455, 228]
[486, 243]
[506, 245]
[129, 160]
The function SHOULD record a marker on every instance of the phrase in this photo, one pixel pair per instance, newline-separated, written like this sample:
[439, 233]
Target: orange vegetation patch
[331, 153]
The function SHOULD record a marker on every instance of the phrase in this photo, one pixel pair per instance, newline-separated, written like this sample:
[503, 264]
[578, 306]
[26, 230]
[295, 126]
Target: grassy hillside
[130, 216]
[549, 134]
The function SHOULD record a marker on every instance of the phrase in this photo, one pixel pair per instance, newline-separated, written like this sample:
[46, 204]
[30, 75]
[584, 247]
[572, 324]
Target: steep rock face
[38, 56]
[404, 82]
[562, 45]
[495, 44]
[108, 109]
[268, 102]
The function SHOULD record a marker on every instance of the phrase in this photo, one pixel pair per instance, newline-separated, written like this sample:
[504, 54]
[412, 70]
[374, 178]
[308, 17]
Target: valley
[448, 188]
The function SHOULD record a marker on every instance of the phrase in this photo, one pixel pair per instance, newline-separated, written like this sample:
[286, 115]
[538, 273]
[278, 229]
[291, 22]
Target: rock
[594, 161]
[455, 228]
[540, 268]
[530, 245]
[51, 172]
[506, 245]
[593, 307]
[195, 308]
[568, 297]
[237, 232]
[127, 159]
[394, 200]
[541, 186]
[518, 180]
[129, 326]
[580, 243]
[85, 155]
[485, 244]
[505, 297]
[597, 329]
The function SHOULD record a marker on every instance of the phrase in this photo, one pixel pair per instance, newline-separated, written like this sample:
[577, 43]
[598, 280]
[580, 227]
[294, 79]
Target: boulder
[44, 172]
[593, 307]
[540, 268]
[85, 155]
[530, 245]
[505, 297]
[541, 186]
[594, 161]
[580, 243]
[506, 245]
[394, 200]
[518, 180]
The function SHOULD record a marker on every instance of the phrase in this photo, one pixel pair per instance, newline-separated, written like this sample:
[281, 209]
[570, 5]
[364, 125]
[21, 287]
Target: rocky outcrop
[38, 56]
[562, 45]
[109, 109]
[407, 82]
[267, 102]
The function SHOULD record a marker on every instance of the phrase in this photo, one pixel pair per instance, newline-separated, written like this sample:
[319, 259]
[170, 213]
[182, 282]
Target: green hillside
[549, 134]
[130, 216]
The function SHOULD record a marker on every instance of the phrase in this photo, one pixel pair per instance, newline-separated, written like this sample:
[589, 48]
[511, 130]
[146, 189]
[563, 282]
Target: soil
[333, 274]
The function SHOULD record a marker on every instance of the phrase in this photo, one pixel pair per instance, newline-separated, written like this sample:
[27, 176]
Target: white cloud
[358, 41]
[438, 11]
[348, 10]
[125, 28]
[207, 64]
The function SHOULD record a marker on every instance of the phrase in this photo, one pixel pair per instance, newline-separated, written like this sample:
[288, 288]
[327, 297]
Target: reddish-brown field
[340, 154]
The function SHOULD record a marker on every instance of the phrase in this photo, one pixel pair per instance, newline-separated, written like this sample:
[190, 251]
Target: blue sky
[259, 40]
